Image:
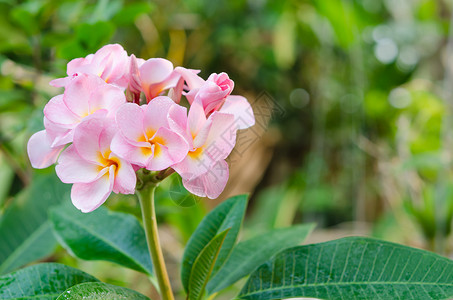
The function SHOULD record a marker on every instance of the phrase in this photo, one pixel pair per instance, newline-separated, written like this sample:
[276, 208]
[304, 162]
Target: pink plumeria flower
[215, 95]
[85, 95]
[145, 137]
[110, 63]
[92, 167]
[156, 76]
[204, 171]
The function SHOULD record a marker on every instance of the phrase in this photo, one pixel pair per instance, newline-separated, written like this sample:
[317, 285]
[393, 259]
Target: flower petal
[41, 154]
[190, 76]
[241, 109]
[194, 164]
[131, 153]
[155, 70]
[169, 148]
[78, 93]
[125, 178]
[196, 118]
[129, 118]
[89, 196]
[221, 138]
[57, 112]
[107, 97]
[72, 168]
[57, 134]
[211, 184]
[156, 114]
[86, 139]
[156, 75]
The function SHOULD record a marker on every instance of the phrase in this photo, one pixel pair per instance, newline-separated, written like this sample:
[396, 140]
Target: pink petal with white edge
[76, 63]
[221, 138]
[210, 184]
[60, 82]
[86, 139]
[200, 139]
[58, 135]
[190, 76]
[57, 112]
[169, 148]
[177, 120]
[113, 64]
[155, 70]
[241, 109]
[78, 93]
[125, 179]
[194, 164]
[105, 138]
[72, 168]
[129, 118]
[41, 154]
[89, 196]
[131, 153]
[156, 113]
[196, 118]
[107, 97]
[176, 92]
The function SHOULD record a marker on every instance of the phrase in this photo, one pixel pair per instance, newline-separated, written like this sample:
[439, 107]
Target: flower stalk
[145, 193]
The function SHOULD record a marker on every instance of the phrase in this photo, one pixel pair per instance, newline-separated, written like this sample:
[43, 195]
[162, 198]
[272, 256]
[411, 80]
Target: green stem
[146, 198]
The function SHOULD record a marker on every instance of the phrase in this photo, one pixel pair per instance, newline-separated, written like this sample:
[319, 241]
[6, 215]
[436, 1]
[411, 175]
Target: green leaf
[203, 266]
[250, 254]
[103, 235]
[228, 214]
[99, 290]
[352, 268]
[42, 281]
[25, 234]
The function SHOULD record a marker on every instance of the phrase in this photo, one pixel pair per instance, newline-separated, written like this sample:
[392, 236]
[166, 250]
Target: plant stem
[146, 198]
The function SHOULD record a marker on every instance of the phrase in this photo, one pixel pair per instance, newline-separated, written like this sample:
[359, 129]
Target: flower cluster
[119, 113]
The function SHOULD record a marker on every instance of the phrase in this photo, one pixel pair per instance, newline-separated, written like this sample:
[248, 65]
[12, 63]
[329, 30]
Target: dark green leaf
[203, 266]
[42, 281]
[25, 234]
[228, 214]
[250, 254]
[103, 235]
[352, 268]
[99, 290]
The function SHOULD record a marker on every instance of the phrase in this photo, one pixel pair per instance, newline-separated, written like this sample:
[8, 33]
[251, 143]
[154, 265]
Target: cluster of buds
[119, 114]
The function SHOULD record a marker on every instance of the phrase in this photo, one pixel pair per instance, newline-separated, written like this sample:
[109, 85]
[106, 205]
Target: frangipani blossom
[145, 138]
[92, 167]
[113, 136]
[110, 63]
[214, 94]
[204, 171]
[85, 95]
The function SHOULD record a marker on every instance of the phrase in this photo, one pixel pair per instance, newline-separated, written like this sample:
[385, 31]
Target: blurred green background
[353, 101]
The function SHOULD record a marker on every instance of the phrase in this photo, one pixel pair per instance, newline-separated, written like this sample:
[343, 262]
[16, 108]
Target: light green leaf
[42, 281]
[352, 268]
[250, 254]
[103, 235]
[203, 266]
[228, 214]
[99, 290]
[25, 234]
